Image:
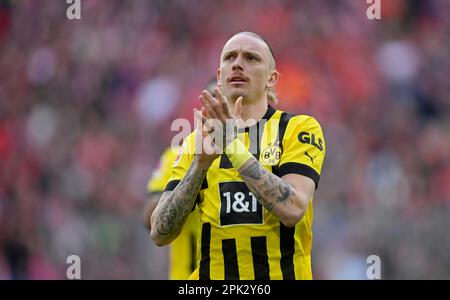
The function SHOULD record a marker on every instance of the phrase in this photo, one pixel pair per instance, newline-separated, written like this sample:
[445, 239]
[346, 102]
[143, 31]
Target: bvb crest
[271, 155]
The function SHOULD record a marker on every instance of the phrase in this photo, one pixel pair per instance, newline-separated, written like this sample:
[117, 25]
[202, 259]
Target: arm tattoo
[252, 170]
[268, 188]
[178, 204]
[285, 191]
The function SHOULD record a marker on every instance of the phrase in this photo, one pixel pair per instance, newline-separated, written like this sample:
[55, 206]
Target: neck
[251, 111]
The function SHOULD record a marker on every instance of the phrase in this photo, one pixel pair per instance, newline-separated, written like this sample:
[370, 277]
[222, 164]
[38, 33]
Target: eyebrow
[245, 52]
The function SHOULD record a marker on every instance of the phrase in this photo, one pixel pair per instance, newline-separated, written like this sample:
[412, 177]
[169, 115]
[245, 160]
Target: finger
[215, 104]
[200, 123]
[222, 100]
[206, 104]
[209, 126]
[238, 108]
[200, 117]
[198, 132]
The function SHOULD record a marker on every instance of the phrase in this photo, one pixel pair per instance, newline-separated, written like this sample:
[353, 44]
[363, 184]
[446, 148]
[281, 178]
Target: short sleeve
[303, 148]
[163, 172]
[182, 162]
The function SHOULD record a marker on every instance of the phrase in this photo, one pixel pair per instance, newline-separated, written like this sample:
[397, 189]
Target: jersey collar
[269, 113]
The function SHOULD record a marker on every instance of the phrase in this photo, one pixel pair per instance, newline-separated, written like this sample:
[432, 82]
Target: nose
[237, 65]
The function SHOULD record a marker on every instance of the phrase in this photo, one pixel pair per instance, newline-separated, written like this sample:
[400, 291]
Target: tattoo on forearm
[268, 188]
[179, 202]
[252, 170]
[285, 191]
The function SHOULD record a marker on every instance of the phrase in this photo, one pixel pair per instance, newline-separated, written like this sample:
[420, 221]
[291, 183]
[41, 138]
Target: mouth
[237, 79]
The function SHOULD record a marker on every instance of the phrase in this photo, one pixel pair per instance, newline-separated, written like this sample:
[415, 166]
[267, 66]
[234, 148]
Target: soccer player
[254, 198]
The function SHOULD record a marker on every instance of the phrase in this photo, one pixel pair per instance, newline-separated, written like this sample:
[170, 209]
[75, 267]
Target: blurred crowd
[86, 108]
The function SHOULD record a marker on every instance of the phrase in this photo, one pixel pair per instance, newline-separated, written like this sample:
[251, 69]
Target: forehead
[245, 42]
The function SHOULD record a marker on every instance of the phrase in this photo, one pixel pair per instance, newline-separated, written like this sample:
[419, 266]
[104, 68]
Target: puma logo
[310, 157]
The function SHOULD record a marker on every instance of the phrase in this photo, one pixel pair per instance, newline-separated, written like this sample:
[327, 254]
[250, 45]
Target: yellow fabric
[235, 218]
[162, 173]
[194, 275]
[182, 253]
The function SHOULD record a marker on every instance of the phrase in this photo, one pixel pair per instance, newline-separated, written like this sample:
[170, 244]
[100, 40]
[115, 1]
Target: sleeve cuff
[173, 184]
[301, 169]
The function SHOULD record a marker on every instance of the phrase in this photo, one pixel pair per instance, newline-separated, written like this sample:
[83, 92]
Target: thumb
[238, 108]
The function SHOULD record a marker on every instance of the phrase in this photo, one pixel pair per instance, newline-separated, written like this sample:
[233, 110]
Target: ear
[274, 75]
[219, 82]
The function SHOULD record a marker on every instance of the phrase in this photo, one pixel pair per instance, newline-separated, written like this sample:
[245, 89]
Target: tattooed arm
[174, 207]
[287, 197]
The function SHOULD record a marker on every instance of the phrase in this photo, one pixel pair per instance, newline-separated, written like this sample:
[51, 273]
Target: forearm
[274, 193]
[174, 207]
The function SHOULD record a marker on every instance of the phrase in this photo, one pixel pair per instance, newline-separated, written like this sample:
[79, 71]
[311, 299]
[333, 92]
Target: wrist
[237, 153]
[202, 164]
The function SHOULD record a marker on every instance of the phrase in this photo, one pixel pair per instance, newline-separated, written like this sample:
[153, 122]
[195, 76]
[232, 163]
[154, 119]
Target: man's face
[244, 68]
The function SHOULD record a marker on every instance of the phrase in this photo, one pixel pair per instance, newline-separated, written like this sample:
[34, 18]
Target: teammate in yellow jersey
[255, 190]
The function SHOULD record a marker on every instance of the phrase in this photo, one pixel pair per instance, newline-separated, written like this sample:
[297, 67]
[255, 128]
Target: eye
[252, 57]
[228, 56]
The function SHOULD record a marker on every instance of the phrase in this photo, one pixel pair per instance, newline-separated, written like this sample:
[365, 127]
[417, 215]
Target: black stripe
[197, 201]
[260, 257]
[230, 259]
[254, 135]
[284, 120]
[225, 162]
[204, 273]
[301, 169]
[269, 113]
[174, 183]
[287, 249]
[193, 244]
[204, 184]
[171, 185]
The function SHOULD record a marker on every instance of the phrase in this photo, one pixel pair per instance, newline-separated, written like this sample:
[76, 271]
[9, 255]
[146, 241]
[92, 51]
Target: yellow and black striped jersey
[183, 250]
[239, 238]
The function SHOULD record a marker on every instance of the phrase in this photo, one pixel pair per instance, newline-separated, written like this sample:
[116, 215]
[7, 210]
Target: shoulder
[170, 153]
[292, 121]
[302, 128]
[303, 120]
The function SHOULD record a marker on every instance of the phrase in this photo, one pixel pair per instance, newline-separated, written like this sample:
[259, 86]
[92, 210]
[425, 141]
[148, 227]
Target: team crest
[271, 155]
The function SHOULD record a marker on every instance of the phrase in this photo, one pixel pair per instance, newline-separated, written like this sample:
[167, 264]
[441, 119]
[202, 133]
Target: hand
[205, 151]
[221, 124]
